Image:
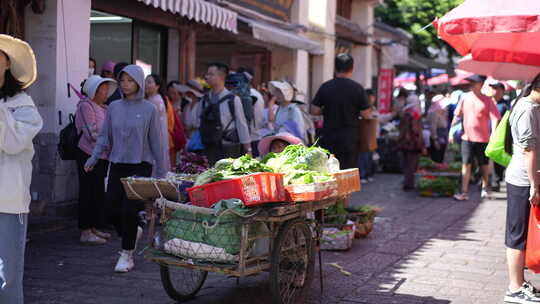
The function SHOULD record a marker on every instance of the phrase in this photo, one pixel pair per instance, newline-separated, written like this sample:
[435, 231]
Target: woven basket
[149, 189]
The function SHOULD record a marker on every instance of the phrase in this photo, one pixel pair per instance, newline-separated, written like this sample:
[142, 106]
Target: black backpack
[212, 133]
[69, 140]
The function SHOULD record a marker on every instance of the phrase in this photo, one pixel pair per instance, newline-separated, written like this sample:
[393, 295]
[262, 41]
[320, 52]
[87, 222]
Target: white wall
[363, 14]
[323, 66]
[41, 35]
[56, 52]
[301, 79]
[62, 57]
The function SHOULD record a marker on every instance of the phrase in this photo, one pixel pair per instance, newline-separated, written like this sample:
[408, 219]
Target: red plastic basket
[253, 189]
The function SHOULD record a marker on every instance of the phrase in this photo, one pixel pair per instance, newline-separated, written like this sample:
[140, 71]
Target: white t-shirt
[258, 116]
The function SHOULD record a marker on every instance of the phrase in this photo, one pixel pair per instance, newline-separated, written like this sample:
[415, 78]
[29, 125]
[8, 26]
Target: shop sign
[280, 9]
[384, 94]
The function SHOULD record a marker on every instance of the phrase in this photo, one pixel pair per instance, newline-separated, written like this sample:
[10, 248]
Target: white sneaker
[364, 181]
[101, 234]
[125, 262]
[89, 238]
[486, 194]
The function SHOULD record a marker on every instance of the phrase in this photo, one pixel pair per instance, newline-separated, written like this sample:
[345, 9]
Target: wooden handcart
[290, 258]
[292, 240]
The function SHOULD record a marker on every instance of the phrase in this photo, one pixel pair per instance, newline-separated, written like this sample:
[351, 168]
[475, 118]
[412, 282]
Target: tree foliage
[412, 16]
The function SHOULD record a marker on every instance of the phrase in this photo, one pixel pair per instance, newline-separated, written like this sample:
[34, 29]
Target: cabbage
[300, 164]
[317, 159]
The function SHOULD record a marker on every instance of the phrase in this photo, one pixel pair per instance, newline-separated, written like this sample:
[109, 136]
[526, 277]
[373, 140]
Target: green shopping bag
[495, 148]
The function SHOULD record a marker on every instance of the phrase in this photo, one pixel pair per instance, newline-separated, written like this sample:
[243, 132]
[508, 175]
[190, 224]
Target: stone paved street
[423, 250]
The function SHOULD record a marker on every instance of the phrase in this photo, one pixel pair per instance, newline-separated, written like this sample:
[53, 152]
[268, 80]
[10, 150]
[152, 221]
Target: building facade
[294, 40]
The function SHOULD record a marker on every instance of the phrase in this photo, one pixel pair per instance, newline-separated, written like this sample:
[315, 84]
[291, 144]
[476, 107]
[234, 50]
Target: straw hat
[282, 86]
[264, 144]
[22, 59]
[192, 86]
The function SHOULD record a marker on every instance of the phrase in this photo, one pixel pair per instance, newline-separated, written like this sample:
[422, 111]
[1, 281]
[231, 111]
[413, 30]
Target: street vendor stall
[243, 217]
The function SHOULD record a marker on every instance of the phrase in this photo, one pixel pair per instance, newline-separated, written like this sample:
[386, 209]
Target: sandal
[461, 197]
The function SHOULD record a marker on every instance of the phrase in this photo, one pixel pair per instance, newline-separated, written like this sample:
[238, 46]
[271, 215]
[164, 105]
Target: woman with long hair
[132, 132]
[20, 122]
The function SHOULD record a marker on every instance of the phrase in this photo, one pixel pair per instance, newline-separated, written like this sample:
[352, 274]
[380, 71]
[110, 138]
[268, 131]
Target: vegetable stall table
[280, 238]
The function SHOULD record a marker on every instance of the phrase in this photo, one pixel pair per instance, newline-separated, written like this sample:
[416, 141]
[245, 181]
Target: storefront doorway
[122, 39]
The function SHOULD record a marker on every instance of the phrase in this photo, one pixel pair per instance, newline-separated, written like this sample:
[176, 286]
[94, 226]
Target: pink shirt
[477, 112]
[89, 119]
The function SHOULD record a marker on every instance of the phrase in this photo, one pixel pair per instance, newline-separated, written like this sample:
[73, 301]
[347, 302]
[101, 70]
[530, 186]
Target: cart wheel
[292, 263]
[180, 283]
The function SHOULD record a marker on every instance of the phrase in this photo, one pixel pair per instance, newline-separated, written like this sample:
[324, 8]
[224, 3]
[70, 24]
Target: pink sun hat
[264, 144]
[108, 66]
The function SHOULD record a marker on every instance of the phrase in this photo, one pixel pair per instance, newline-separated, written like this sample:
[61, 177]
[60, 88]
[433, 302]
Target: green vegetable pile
[336, 214]
[368, 213]
[300, 164]
[231, 168]
[454, 166]
[425, 162]
[441, 185]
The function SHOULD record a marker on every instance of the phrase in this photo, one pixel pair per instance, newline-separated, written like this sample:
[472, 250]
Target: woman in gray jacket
[20, 122]
[132, 132]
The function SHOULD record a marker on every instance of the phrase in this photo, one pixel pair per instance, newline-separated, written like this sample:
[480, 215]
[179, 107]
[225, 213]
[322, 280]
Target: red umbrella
[456, 80]
[499, 70]
[494, 30]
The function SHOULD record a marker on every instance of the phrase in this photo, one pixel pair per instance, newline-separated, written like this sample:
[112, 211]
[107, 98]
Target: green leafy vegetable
[300, 164]
[336, 214]
[230, 168]
[440, 184]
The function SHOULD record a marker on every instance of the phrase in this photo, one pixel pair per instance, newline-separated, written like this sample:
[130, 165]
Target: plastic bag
[195, 142]
[495, 148]
[532, 253]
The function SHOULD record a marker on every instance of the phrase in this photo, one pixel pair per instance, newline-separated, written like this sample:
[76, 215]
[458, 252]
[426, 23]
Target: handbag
[532, 252]
[495, 149]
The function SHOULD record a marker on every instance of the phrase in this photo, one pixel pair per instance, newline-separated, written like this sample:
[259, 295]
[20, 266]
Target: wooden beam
[188, 50]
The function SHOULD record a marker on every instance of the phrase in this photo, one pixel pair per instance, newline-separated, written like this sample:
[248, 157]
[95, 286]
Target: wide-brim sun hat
[182, 88]
[22, 59]
[264, 144]
[282, 86]
[438, 102]
[192, 86]
[93, 82]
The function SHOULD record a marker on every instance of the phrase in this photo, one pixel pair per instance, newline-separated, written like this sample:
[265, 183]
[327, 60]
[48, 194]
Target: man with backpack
[224, 129]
